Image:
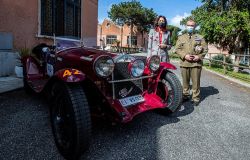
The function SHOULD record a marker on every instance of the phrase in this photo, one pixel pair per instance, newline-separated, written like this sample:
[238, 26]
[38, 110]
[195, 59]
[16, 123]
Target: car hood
[83, 51]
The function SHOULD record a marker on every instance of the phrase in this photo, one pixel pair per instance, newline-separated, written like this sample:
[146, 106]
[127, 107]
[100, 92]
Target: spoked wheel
[70, 119]
[170, 90]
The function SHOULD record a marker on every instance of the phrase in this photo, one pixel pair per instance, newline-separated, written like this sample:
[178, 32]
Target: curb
[228, 78]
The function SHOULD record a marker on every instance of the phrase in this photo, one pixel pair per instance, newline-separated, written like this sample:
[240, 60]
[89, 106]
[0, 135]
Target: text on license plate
[131, 100]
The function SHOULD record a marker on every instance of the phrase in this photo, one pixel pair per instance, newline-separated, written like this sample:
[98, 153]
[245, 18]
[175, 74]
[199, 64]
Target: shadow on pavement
[26, 122]
[135, 140]
[185, 109]
[208, 91]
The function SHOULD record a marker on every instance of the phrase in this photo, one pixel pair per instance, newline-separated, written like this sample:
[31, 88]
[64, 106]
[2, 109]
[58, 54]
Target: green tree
[174, 33]
[224, 22]
[133, 14]
[146, 20]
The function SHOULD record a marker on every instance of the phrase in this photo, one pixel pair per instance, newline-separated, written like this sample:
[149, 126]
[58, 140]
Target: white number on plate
[131, 100]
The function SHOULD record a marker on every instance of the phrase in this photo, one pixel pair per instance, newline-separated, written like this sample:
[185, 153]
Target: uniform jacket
[154, 39]
[194, 45]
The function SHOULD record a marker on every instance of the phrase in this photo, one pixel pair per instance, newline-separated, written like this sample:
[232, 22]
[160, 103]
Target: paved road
[219, 128]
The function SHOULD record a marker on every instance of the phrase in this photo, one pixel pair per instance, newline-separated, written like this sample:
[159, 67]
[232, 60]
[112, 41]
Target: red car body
[55, 71]
[71, 67]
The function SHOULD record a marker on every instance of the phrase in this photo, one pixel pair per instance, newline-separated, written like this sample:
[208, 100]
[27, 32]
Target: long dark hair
[157, 19]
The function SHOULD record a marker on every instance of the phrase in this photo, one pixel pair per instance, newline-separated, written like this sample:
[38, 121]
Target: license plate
[131, 100]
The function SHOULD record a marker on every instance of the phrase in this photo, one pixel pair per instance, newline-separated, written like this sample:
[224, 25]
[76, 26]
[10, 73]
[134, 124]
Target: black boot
[185, 98]
[195, 103]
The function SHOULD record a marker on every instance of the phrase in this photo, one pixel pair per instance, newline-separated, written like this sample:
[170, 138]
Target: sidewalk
[10, 83]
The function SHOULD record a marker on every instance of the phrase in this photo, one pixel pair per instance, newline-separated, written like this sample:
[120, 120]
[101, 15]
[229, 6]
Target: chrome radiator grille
[128, 88]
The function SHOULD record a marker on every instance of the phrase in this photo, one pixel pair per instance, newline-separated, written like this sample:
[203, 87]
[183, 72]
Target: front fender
[70, 75]
[166, 65]
[163, 67]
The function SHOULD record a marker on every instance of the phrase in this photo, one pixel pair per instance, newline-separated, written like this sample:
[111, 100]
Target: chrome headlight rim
[154, 67]
[133, 69]
[98, 70]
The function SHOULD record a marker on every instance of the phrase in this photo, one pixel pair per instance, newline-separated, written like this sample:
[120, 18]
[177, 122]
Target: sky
[173, 10]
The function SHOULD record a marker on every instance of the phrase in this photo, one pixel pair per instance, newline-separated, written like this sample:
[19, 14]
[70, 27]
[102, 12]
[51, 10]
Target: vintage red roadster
[80, 81]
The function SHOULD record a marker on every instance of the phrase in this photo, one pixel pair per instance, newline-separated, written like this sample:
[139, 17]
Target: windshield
[64, 43]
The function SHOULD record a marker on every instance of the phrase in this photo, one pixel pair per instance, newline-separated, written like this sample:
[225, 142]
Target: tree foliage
[134, 14]
[174, 33]
[131, 12]
[146, 19]
[224, 22]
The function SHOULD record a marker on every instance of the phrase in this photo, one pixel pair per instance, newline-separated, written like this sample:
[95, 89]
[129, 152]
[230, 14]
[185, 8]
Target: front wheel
[70, 119]
[170, 90]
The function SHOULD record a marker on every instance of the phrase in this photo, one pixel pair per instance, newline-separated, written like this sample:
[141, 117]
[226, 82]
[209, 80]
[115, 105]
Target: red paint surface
[73, 77]
[72, 63]
[152, 101]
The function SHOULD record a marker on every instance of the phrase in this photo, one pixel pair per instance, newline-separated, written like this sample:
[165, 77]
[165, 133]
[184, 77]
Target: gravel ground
[219, 128]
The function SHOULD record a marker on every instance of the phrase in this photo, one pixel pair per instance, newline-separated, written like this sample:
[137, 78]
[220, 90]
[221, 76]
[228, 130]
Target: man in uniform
[191, 48]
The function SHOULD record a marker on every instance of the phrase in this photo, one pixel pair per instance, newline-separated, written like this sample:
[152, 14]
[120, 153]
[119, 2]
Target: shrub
[24, 52]
[219, 57]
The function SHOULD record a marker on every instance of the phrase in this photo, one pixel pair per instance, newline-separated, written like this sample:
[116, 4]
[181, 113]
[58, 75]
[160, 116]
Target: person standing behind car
[191, 48]
[159, 39]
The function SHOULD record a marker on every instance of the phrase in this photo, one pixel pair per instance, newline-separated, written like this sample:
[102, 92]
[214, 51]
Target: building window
[61, 17]
[110, 39]
[133, 40]
[108, 25]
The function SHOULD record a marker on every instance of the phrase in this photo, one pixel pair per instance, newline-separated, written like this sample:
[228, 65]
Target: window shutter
[47, 17]
[62, 17]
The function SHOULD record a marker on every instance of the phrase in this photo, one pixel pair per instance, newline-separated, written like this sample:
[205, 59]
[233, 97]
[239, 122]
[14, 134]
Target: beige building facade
[108, 34]
[213, 49]
[31, 22]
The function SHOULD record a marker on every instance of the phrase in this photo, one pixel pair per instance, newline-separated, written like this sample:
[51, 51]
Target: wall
[89, 22]
[20, 17]
[112, 29]
[8, 60]
[21, 20]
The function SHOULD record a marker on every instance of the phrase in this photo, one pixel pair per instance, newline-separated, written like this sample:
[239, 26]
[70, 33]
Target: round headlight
[154, 63]
[104, 66]
[137, 68]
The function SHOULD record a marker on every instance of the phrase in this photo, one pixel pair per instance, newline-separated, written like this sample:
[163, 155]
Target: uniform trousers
[193, 73]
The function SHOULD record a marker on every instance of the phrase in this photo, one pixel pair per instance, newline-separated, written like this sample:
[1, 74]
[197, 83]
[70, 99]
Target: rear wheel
[170, 90]
[70, 118]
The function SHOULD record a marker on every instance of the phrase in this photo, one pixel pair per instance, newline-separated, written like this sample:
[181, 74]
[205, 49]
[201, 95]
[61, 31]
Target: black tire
[70, 119]
[26, 86]
[171, 84]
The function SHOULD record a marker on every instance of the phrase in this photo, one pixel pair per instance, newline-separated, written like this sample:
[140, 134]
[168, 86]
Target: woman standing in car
[159, 39]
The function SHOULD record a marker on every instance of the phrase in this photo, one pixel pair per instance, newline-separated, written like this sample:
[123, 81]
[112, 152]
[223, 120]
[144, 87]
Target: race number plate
[131, 100]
